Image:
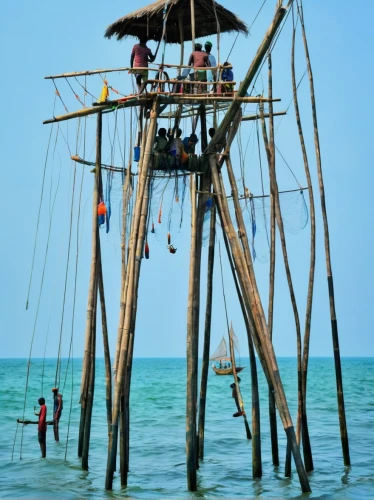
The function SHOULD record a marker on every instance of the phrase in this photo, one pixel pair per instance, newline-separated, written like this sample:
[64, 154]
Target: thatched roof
[149, 21]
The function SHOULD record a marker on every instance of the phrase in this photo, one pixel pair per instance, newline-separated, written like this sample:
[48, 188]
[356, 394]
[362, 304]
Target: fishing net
[256, 215]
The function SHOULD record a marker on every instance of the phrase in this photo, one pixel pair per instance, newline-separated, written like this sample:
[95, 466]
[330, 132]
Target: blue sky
[68, 36]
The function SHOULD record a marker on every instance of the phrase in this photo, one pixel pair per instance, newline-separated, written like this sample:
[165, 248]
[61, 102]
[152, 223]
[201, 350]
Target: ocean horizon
[157, 433]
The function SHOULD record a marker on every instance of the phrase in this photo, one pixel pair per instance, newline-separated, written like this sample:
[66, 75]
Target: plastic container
[136, 153]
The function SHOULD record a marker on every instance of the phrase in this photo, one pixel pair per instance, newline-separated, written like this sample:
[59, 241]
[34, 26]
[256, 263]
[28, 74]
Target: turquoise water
[157, 455]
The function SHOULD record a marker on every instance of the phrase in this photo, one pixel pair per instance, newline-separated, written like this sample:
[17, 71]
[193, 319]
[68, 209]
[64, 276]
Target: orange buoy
[101, 208]
[146, 250]
[169, 239]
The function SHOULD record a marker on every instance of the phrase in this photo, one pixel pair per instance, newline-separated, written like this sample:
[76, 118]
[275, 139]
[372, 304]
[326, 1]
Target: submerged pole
[131, 280]
[92, 296]
[330, 282]
[307, 450]
[208, 322]
[191, 352]
[256, 316]
[278, 216]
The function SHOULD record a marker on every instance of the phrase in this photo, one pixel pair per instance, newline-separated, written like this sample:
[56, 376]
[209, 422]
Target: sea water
[157, 443]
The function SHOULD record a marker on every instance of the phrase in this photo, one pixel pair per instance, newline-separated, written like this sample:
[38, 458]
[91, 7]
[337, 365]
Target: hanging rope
[223, 286]
[39, 210]
[38, 303]
[262, 183]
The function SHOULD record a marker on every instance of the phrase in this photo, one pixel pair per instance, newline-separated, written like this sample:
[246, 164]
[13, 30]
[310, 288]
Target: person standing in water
[42, 427]
[57, 410]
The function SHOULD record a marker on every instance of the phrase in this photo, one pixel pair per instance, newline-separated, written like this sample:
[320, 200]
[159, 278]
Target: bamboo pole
[163, 99]
[131, 280]
[256, 422]
[192, 3]
[181, 38]
[117, 70]
[256, 315]
[90, 388]
[270, 151]
[208, 322]
[242, 233]
[272, 408]
[108, 371]
[308, 458]
[257, 116]
[91, 290]
[127, 381]
[191, 361]
[143, 138]
[260, 54]
[330, 283]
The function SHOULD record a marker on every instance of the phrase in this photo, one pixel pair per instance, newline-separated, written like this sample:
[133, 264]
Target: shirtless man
[57, 409]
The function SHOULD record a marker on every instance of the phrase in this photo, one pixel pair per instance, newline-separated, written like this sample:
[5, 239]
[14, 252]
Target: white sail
[235, 339]
[221, 351]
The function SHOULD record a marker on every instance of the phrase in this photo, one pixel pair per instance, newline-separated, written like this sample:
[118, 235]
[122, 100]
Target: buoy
[153, 228]
[159, 216]
[101, 208]
[239, 413]
[101, 212]
[169, 239]
[146, 250]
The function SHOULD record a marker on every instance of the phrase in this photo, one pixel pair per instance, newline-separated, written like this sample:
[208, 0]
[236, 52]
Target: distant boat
[223, 363]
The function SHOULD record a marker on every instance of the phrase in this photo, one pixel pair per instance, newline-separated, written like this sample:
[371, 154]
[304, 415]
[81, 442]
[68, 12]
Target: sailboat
[222, 363]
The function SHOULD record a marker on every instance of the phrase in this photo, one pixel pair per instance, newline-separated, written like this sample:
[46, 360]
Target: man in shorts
[140, 56]
[57, 410]
[200, 61]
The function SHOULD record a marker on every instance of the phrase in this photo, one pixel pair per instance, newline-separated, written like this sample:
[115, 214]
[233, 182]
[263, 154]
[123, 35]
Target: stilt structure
[174, 22]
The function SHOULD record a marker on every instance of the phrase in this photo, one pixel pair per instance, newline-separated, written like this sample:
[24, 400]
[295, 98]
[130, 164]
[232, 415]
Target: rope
[262, 184]
[249, 29]
[76, 95]
[39, 210]
[290, 169]
[38, 306]
[58, 364]
[223, 286]
[71, 352]
[85, 90]
[58, 94]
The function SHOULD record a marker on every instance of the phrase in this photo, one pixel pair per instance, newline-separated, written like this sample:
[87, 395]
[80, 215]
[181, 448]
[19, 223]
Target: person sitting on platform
[227, 76]
[199, 59]
[140, 56]
[161, 141]
[176, 147]
[189, 144]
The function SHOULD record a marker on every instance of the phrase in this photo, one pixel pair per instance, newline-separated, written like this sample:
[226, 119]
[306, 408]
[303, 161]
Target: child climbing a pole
[57, 410]
[140, 56]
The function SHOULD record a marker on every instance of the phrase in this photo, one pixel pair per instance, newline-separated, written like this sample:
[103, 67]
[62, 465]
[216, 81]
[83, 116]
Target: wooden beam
[249, 118]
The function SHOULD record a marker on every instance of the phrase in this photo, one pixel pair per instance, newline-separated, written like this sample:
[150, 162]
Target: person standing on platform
[140, 56]
[199, 59]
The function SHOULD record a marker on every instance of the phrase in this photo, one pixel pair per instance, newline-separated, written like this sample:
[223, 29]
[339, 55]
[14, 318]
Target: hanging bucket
[136, 153]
